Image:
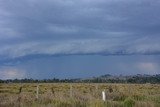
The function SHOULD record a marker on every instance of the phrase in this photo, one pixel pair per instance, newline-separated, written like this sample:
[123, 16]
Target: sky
[78, 38]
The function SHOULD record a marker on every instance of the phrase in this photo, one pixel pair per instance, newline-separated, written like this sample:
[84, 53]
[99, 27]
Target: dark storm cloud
[79, 27]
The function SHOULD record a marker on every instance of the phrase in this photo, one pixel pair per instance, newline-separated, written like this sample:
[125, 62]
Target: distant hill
[139, 78]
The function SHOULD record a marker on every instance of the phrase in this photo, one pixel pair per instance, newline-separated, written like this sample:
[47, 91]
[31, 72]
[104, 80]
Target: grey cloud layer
[79, 27]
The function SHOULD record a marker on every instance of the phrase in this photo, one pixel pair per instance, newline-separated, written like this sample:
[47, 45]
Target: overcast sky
[78, 38]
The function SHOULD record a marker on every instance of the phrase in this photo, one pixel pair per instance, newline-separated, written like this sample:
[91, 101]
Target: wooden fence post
[71, 89]
[20, 89]
[37, 91]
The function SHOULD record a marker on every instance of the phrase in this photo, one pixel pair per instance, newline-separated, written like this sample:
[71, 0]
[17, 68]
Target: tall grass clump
[129, 102]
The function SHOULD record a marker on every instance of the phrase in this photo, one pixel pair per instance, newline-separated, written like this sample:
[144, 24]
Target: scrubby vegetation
[139, 79]
[79, 95]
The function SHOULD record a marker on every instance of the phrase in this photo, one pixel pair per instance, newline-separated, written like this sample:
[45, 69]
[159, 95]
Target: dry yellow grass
[79, 95]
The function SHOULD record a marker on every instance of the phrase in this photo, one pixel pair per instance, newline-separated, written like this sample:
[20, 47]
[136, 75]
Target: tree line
[154, 79]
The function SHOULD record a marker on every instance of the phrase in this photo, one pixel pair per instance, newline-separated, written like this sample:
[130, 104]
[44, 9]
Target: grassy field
[79, 95]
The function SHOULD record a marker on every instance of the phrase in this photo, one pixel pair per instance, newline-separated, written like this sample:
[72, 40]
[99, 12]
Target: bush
[128, 102]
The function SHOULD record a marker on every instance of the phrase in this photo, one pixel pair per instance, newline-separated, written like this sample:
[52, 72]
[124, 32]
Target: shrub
[128, 102]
